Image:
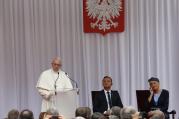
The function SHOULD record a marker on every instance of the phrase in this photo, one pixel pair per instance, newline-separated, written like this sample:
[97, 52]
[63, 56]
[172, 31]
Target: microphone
[76, 84]
[55, 85]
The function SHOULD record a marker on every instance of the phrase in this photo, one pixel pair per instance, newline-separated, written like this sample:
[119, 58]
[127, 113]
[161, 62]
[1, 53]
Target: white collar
[54, 71]
[158, 92]
[107, 91]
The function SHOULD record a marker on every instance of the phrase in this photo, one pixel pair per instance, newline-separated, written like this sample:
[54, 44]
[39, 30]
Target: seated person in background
[13, 114]
[106, 98]
[26, 114]
[52, 114]
[42, 115]
[129, 113]
[157, 114]
[159, 98]
[116, 111]
[84, 112]
[113, 117]
[98, 115]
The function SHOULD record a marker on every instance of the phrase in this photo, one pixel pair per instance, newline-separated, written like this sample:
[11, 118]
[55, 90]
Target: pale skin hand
[136, 115]
[61, 117]
[151, 94]
[154, 88]
[108, 112]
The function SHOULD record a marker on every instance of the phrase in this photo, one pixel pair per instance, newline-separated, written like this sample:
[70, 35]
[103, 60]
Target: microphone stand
[76, 84]
[55, 86]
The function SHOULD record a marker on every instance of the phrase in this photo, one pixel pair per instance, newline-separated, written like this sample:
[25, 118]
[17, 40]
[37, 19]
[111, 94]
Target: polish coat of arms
[103, 13]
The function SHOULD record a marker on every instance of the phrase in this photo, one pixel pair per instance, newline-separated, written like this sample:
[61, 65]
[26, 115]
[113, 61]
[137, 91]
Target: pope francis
[51, 81]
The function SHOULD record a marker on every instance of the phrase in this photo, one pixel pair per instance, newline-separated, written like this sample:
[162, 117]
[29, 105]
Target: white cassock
[46, 86]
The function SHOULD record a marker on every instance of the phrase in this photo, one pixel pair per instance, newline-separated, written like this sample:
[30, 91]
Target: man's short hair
[42, 114]
[113, 117]
[116, 110]
[127, 112]
[153, 79]
[52, 111]
[83, 112]
[13, 114]
[26, 114]
[97, 115]
[107, 77]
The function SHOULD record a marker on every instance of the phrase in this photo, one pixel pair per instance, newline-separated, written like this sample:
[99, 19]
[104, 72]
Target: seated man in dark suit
[158, 99]
[106, 98]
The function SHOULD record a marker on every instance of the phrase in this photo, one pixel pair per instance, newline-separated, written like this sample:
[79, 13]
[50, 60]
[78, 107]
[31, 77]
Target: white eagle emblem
[103, 11]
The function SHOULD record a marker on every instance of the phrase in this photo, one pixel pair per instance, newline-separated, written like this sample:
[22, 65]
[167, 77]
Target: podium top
[59, 89]
[64, 90]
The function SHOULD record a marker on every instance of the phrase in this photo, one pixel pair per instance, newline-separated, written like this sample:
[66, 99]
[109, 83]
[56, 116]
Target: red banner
[103, 16]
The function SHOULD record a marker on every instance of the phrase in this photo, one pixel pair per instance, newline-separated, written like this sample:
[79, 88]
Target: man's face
[56, 65]
[107, 83]
[154, 85]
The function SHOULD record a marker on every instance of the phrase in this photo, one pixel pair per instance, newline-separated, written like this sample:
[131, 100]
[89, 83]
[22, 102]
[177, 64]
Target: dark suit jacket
[100, 101]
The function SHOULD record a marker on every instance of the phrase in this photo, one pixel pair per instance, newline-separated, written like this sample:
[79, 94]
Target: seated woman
[159, 98]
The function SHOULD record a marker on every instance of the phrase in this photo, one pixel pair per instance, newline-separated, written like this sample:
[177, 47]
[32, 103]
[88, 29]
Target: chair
[142, 96]
[94, 94]
[173, 112]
